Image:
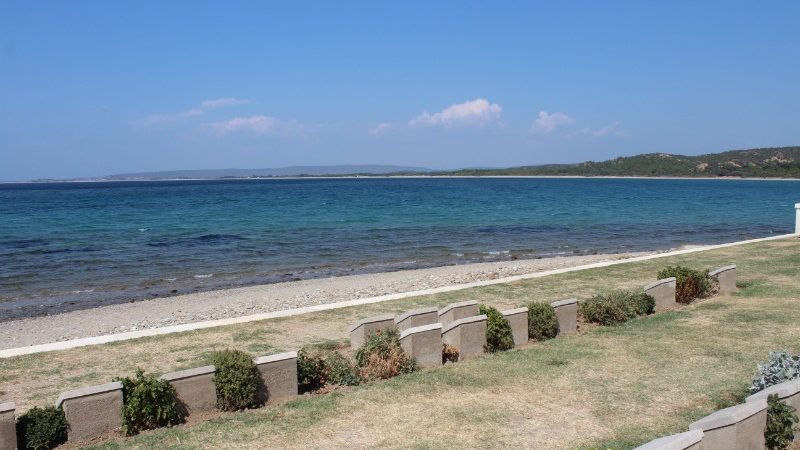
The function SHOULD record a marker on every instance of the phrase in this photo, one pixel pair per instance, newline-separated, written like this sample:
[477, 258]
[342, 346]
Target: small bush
[42, 428]
[340, 370]
[609, 309]
[449, 353]
[643, 304]
[237, 380]
[781, 420]
[690, 283]
[498, 331]
[149, 403]
[381, 356]
[542, 321]
[311, 374]
[782, 366]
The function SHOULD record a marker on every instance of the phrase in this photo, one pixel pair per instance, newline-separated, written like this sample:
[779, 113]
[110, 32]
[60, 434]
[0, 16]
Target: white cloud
[380, 129]
[609, 130]
[547, 122]
[478, 111]
[256, 125]
[205, 106]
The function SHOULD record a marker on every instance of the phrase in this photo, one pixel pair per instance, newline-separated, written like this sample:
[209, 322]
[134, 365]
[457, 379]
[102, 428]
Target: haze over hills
[291, 171]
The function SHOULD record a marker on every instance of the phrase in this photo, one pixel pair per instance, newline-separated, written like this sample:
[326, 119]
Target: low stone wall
[788, 392]
[468, 335]
[739, 427]
[518, 319]
[8, 428]
[92, 411]
[663, 291]
[195, 388]
[567, 314]
[279, 373]
[424, 344]
[456, 311]
[364, 327]
[417, 318]
[690, 440]
[726, 277]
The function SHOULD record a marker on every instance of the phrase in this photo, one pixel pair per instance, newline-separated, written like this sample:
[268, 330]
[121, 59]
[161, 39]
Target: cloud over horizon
[204, 107]
[478, 111]
[263, 125]
[547, 122]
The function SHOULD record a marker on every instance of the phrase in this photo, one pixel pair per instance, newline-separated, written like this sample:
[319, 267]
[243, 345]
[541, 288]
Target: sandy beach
[228, 303]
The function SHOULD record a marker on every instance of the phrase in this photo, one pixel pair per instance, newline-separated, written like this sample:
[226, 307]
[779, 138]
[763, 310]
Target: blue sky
[94, 88]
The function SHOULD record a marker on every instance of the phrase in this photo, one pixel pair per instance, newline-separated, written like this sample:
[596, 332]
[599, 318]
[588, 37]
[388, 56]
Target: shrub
[42, 428]
[643, 304]
[781, 419]
[609, 309]
[237, 380]
[310, 371]
[782, 366]
[149, 403]
[381, 356]
[690, 283]
[449, 353]
[542, 321]
[340, 370]
[498, 331]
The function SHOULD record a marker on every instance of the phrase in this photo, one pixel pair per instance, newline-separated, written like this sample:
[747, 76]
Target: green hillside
[758, 162]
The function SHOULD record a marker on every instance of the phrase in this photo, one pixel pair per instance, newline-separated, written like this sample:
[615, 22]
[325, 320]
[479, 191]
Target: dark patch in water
[206, 239]
[23, 243]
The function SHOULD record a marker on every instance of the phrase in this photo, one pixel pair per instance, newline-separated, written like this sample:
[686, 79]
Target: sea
[66, 246]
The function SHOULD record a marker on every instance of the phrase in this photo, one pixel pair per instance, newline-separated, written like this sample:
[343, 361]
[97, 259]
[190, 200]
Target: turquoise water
[77, 245]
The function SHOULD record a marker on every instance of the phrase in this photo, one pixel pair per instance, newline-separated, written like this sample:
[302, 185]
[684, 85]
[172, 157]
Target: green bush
[340, 370]
[237, 380]
[608, 309]
[149, 403]
[643, 304]
[449, 353]
[781, 420]
[690, 283]
[542, 321]
[381, 357]
[42, 428]
[311, 374]
[498, 331]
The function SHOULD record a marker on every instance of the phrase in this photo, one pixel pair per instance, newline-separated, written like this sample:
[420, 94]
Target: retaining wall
[726, 277]
[417, 318]
[567, 314]
[468, 335]
[424, 344]
[92, 411]
[663, 291]
[518, 319]
[364, 327]
[8, 428]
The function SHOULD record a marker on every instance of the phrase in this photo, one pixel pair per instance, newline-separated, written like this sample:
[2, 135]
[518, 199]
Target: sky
[96, 88]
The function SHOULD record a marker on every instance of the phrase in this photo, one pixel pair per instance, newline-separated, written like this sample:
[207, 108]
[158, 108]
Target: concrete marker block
[664, 292]
[455, 311]
[424, 344]
[518, 319]
[788, 392]
[468, 335]
[92, 411]
[567, 314]
[417, 318]
[8, 427]
[690, 440]
[739, 427]
[364, 327]
[279, 373]
[726, 276]
[195, 388]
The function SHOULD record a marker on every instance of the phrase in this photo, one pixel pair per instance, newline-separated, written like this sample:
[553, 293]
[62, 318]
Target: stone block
[424, 344]
[690, 440]
[195, 388]
[456, 311]
[468, 335]
[567, 314]
[92, 411]
[8, 428]
[417, 318]
[364, 327]
[279, 373]
[726, 277]
[788, 391]
[664, 292]
[518, 319]
[739, 427]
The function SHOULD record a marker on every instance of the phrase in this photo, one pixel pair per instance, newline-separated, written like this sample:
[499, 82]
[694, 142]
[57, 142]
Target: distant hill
[275, 172]
[757, 162]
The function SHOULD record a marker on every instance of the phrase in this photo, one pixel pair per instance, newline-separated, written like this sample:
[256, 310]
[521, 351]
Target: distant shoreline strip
[108, 338]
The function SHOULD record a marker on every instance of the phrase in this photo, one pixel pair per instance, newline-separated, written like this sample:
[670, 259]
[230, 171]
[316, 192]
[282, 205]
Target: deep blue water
[75, 245]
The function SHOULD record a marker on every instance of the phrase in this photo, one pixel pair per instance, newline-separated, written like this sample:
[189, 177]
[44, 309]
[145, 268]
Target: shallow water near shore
[69, 246]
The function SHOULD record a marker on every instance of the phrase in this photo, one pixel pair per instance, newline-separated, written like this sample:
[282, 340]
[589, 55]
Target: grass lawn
[613, 387]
